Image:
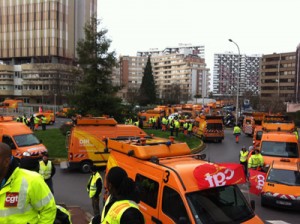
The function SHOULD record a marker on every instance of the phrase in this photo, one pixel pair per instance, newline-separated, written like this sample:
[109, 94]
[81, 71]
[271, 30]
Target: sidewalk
[78, 215]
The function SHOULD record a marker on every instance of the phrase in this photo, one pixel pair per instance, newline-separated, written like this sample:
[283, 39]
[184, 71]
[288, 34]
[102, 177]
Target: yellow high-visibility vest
[116, 211]
[26, 198]
[45, 170]
[93, 187]
[243, 156]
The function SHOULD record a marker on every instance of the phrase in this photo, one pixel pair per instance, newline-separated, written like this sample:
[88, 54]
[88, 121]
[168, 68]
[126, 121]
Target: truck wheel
[86, 166]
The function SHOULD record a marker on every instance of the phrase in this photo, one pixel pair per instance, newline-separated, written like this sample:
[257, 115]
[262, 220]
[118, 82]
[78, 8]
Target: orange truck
[251, 120]
[282, 186]
[277, 140]
[278, 145]
[209, 127]
[20, 138]
[272, 123]
[63, 112]
[170, 190]
[85, 144]
[11, 103]
[145, 116]
[50, 117]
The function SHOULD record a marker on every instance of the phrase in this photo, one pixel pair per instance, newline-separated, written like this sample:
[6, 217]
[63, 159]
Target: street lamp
[55, 102]
[238, 82]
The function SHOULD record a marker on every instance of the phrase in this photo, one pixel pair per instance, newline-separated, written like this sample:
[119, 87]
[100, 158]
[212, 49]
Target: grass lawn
[54, 140]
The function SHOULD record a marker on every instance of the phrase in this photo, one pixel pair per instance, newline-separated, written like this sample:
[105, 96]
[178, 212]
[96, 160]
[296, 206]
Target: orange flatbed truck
[165, 174]
[85, 142]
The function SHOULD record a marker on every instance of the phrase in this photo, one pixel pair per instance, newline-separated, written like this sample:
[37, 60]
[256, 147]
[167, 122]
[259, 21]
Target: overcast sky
[257, 26]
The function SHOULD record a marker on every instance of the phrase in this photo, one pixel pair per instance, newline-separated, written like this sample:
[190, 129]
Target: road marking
[277, 222]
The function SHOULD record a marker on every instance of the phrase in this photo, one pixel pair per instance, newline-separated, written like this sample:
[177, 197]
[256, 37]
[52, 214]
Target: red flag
[210, 175]
[257, 180]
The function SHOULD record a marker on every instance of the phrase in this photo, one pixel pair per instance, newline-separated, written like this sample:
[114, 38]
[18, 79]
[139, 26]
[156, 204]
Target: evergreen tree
[147, 89]
[95, 93]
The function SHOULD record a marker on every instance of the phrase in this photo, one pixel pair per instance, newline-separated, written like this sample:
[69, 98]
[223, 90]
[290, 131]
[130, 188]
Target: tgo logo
[11, 199]
[260, 181]
[220, 178]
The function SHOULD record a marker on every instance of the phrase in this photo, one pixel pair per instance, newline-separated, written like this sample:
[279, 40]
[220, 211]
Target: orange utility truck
[85, 142]
[277, 140]
[251, 120]
[176, 186]
[272, 123]
[20, 138]
[11, 103]
[49, 115]
[209, 127]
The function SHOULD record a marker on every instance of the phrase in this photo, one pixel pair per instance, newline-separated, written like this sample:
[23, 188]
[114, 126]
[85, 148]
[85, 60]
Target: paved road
[70, 187]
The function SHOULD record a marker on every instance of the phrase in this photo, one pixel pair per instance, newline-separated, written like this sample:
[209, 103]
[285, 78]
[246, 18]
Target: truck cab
[21, 139]
[168, 178]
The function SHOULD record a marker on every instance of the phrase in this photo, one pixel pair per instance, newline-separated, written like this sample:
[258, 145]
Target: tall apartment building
[38, 41]
[177, 75]
[297, 80]
[227, 68]
[278, 76]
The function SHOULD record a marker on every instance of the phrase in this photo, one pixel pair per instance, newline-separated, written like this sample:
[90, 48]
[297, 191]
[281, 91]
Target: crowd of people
[33, 121]
[174, 124]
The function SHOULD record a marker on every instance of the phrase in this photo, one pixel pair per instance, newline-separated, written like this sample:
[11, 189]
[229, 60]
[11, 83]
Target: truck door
[149, 187]
[173, 209]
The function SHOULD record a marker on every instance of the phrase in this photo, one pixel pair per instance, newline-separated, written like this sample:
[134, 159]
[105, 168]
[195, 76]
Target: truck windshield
[280, 149]
[220, 205]
[26, 140]
[287, 177]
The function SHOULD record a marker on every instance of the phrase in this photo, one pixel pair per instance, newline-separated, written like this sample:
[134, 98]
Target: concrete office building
[278, 77]
[38, 47]
[225, 74]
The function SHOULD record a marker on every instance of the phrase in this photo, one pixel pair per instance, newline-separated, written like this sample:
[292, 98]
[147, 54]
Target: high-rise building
[278, 76]
[179, 73]
[38, 41]
[228, 67]
[297, 78]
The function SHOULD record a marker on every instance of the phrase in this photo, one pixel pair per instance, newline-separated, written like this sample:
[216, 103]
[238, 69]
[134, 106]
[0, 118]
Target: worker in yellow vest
[94, 188]
[177, 126]
[47, 170]
[120, 206]
[256, 160]
[243, 158]
[36, 122]
[44, 122]
[24, 195]
[190, 128]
